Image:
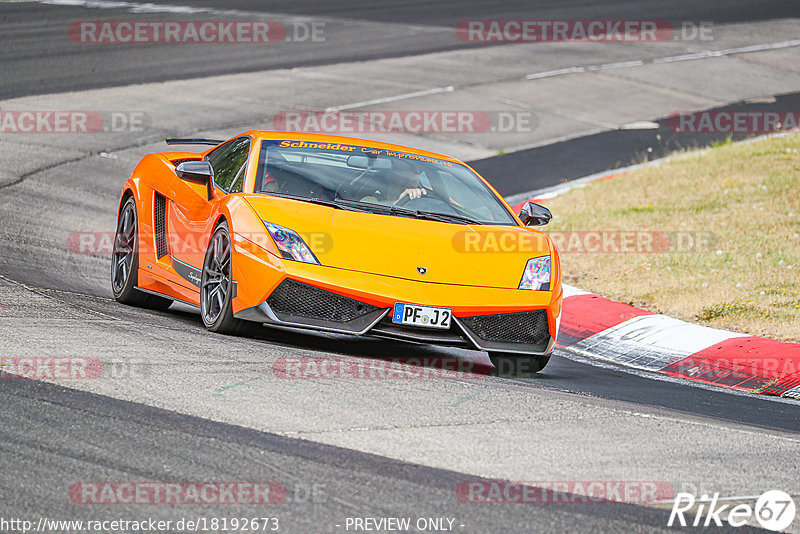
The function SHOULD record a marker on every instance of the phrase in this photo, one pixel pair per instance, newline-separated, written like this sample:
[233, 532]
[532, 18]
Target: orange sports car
[338, 234]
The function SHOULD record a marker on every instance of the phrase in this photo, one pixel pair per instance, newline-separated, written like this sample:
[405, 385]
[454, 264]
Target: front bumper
[298, 304]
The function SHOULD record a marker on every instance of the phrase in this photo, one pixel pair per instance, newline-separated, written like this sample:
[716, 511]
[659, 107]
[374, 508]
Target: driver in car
[405, 182]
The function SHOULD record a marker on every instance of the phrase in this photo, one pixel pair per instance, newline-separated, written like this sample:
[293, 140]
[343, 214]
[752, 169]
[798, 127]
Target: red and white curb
[602, 329]
[599, 328]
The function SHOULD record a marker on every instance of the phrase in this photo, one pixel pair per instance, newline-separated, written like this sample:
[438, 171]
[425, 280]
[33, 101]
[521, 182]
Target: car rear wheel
[125, 262]
[507, 364]
[216, 286]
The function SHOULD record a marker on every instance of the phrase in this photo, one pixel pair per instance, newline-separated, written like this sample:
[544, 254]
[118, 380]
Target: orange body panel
[473, 269]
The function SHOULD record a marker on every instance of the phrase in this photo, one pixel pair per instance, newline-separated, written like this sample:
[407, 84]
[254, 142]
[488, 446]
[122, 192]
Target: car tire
[216, 286]
[507, 364]
[125, 262]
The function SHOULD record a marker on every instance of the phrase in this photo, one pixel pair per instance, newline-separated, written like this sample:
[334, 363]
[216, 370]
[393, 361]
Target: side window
[229, 162]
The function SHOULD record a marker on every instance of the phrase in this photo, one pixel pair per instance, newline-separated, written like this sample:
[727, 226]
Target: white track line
[135, 7]
[405, 96]
[701, 500]
[668, 59]
[550, 73]
[617, 65]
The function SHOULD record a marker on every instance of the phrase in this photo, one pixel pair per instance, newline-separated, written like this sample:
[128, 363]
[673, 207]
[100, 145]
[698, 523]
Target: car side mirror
[199, 172]
[533, 214]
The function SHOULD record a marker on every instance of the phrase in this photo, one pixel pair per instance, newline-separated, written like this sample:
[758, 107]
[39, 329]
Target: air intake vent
[177, 162]
[160, 223]
[302, 300]
[529, 327]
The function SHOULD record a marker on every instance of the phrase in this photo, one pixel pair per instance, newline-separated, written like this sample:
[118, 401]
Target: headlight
[290, 244]
[537, 274]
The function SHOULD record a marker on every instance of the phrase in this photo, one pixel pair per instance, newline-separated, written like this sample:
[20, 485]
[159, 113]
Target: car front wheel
[216, 286]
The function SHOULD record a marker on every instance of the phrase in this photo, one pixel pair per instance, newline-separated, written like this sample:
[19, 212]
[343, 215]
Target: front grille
[529, 327]
[296, 298]
[160, 220]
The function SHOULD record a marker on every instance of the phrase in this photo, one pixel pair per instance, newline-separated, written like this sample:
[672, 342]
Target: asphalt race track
[356, 30]
[612, 149]
[179, 404]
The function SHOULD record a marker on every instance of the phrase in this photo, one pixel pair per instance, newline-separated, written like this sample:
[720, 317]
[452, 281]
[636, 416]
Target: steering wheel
[405, 200]
[427, 202]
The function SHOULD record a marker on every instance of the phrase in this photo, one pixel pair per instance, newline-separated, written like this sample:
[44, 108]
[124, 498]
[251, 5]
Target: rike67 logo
[774, 510]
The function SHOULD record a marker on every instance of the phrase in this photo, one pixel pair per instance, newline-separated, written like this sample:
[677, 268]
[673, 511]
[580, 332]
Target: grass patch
[724, 309]
[732, 220]
[722, 142]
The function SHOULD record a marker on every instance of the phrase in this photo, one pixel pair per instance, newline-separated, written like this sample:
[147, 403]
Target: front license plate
[425, 316]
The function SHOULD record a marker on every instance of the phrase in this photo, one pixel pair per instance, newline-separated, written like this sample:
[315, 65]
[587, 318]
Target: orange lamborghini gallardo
[342, 235]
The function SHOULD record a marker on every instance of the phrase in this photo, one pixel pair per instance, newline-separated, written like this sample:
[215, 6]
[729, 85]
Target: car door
[188, 222]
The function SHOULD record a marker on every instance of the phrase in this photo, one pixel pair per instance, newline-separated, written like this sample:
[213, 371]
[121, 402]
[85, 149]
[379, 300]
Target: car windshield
[377, 180]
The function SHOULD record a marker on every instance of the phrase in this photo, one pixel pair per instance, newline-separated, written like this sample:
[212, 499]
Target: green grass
[745, 200]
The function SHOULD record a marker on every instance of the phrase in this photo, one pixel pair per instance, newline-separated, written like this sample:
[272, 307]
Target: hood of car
[410, 248]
